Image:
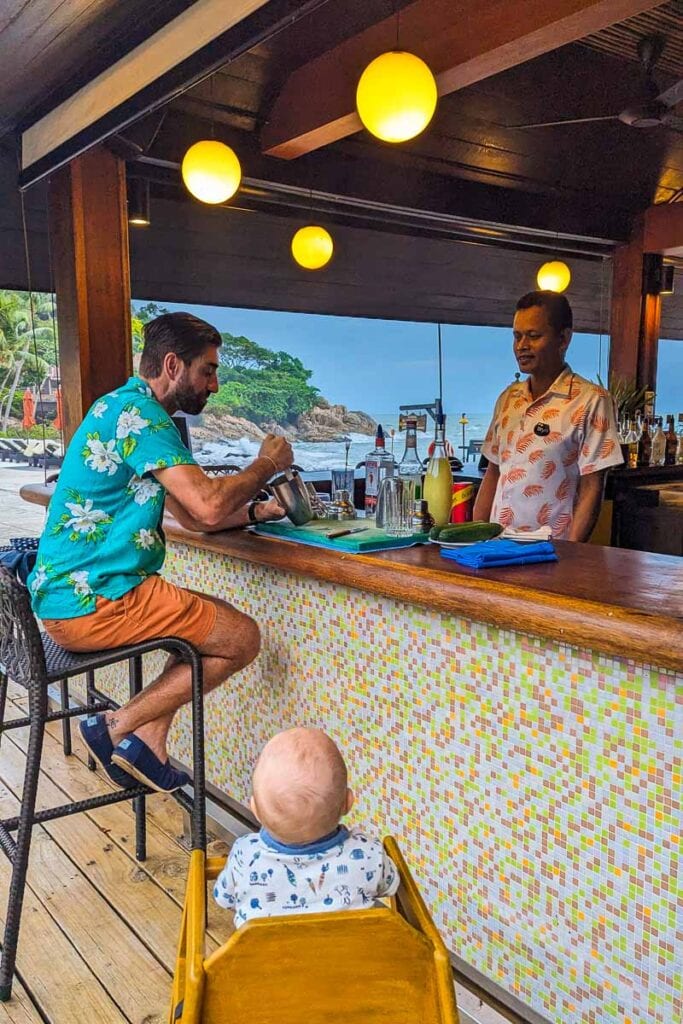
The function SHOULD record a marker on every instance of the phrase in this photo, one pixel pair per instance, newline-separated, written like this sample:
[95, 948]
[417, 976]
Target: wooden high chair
[375, 966]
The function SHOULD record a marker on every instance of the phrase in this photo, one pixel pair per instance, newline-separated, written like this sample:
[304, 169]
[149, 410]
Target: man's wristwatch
[251, 510]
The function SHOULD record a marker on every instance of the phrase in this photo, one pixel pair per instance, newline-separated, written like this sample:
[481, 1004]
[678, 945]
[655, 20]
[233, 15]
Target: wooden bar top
[618, 602]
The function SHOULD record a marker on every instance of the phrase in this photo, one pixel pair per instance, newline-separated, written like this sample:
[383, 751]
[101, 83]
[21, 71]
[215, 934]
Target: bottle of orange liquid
[438, 485]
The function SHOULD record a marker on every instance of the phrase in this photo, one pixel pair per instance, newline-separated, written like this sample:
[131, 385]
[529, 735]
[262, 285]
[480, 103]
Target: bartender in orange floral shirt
[552, 436]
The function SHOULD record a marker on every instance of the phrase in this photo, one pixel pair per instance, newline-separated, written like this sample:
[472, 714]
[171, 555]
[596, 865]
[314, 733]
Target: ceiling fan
[651, 109]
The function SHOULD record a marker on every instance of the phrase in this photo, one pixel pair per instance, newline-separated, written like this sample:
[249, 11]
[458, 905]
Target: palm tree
[19, 360]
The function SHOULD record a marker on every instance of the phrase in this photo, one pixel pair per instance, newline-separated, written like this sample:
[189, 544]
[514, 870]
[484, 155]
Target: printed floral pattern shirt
[103, 533]
[542, 447]
[342, 871]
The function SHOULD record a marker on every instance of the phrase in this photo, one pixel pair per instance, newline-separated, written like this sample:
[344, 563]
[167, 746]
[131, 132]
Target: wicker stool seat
[33, 660]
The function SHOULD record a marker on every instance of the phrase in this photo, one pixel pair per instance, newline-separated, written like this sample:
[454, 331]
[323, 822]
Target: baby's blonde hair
[300, 785]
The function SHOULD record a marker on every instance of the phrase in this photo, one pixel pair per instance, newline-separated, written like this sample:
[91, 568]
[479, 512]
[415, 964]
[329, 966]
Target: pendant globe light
[312, 247]
[211, 171]
[553, 276]
[396, 96]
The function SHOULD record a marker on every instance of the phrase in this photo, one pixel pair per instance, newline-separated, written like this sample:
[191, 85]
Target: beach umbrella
[58, 422]
[29, 419]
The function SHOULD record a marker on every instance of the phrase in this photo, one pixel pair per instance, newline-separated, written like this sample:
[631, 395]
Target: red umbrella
[58, 421]
[29, 419]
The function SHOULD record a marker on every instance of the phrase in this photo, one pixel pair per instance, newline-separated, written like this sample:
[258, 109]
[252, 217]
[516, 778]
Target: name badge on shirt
[542, 429]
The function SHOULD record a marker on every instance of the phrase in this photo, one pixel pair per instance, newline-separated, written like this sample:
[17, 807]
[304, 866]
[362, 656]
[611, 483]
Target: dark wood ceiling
[603, 168]
[49, 48]
[585, 179]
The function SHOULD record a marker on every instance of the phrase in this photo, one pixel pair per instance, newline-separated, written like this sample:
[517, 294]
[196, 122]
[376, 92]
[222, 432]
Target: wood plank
[167, 860]
[60, 980]
[20, 1008]
[316, 105]
[140, 908]
[101, 903]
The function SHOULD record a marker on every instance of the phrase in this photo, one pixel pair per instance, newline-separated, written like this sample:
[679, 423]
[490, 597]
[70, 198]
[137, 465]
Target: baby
[302, 860]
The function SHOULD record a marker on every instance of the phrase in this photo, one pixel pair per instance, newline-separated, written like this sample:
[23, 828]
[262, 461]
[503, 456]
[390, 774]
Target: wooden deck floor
[99, 930]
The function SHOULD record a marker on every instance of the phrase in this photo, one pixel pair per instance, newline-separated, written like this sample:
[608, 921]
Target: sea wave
[320, 456]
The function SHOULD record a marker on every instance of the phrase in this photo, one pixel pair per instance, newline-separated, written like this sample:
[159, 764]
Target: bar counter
[520, 731]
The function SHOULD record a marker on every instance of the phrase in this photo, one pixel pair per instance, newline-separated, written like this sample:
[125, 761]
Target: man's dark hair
[182, 333]
[559, 311]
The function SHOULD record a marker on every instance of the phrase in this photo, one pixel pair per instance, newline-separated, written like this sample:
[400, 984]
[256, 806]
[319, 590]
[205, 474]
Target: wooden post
[89, 236]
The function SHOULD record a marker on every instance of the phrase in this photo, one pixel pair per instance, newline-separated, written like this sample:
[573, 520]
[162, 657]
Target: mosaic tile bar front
[534, 788]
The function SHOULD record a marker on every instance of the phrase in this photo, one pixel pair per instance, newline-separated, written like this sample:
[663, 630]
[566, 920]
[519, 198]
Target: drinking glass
[396, 497]
[342, 480]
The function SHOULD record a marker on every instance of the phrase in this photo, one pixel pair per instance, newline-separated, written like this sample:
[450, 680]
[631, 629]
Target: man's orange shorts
[155, 608]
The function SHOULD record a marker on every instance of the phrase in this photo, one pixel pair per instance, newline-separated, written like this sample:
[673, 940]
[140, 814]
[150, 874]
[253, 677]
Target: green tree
[27, 340]
[260, 384]
[139, 316]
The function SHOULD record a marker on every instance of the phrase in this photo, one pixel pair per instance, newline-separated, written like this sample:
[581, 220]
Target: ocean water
[318, 456]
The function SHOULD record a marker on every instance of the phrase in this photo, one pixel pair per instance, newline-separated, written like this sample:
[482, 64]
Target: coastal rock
[326, 422]
[215, 425]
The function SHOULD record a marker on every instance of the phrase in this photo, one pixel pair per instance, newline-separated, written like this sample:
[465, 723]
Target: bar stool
[34, 661]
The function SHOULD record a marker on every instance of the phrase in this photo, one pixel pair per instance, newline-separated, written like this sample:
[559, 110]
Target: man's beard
[188, 401]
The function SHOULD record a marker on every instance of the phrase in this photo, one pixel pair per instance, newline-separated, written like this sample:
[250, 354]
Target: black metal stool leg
[20, 858]
[90, 700]
[135, 686]
[3, 701]
[66, 722]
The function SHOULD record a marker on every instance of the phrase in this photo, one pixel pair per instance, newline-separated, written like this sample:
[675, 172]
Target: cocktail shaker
[290, 491]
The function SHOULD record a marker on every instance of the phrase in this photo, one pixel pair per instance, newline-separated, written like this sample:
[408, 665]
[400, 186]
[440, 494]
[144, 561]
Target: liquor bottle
[679, 454]
[632, 442]
[379, 463]
[658, 445]
[438, 487]
[644, 446]
[410, 466]
[649, 404]
[671, 443]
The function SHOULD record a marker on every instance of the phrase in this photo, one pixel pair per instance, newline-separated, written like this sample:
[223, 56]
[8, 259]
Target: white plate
[458, 543]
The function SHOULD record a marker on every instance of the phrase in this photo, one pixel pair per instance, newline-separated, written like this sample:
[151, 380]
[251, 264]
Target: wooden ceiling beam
[462, 43]
[663, 229]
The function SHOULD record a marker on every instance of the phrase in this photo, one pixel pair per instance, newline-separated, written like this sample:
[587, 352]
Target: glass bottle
[632, 442]
[658, 445]
[679, 454]
[379, 463]
[670, 442]
[438, 485]
[644, 446]
[410, 466]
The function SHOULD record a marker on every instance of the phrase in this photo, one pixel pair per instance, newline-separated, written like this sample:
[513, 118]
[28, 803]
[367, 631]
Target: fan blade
[673, 122]
[573, 120]
[672, 96]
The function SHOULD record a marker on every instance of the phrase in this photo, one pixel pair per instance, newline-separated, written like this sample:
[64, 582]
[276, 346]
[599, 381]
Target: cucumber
[434, 532]
[462, 533]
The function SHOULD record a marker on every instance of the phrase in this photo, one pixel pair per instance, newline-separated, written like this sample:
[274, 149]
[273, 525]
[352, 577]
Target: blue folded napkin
[491, 553]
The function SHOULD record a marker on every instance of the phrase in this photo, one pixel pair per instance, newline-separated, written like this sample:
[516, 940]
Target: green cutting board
[316, 532]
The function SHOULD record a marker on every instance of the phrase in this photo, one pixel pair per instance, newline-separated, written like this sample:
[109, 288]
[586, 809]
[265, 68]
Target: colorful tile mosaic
[534, 788]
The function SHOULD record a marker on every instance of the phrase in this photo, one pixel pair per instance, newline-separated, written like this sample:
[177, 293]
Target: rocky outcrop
[324, 422]
[215, 425]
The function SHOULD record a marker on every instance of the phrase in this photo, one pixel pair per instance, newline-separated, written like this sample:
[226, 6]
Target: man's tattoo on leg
[111, 721]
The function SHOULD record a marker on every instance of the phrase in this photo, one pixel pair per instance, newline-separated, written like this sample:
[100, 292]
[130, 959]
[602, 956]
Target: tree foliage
[259, 384]
[27, 345]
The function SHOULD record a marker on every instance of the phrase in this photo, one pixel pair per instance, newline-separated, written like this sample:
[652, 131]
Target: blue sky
[377, 365]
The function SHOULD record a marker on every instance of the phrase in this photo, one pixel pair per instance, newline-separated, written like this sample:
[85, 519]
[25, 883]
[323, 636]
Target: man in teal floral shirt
[95, 584]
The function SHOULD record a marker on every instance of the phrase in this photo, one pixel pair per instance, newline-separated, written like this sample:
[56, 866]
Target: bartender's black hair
[182, 333]
[559, 311]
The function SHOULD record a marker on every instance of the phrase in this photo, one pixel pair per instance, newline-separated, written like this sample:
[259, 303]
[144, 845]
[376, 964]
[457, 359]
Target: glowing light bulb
[554, 276]
[396, 96]
[312, 247]
[211, 171]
